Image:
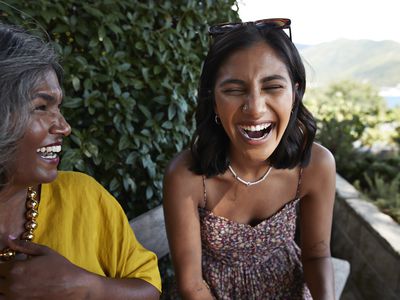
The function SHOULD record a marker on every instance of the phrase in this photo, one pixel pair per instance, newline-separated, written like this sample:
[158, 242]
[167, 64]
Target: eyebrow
[242, 82]
[45, 96]
[231, 80]
[274, 77]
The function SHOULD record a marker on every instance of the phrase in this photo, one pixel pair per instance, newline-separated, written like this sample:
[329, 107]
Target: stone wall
[370, 241]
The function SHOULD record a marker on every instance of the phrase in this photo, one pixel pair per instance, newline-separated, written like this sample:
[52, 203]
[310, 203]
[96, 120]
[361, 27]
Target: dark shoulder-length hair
[210, 143]
[24, 60]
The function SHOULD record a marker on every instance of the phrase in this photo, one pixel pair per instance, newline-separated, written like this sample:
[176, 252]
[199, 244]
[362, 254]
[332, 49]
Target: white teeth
[50, 152]
[258, 127]
[50, 149]
[49, 155]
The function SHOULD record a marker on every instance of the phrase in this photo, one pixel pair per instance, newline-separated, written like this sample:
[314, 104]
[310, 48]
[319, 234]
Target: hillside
[365, 60]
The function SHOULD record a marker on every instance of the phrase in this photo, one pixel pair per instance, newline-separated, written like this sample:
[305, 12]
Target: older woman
[62, 236]
[230, 201]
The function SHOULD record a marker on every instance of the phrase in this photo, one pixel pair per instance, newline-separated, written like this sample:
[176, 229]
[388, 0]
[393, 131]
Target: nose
[61, 126]
[255, 104]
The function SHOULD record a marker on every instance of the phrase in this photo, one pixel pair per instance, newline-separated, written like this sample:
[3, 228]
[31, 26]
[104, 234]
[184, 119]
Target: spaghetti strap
[299, 183]
[204, 191]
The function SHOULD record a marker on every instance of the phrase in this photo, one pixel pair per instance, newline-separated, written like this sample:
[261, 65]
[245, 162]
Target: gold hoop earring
[217, 120]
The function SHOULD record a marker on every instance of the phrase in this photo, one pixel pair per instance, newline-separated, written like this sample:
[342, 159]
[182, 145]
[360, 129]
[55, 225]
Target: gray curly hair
[24, 60]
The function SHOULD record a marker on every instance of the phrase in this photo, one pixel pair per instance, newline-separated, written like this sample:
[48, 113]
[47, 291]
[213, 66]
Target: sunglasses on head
[275, 23]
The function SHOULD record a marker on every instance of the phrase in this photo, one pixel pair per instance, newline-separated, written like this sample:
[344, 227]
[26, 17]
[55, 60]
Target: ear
[215, 108]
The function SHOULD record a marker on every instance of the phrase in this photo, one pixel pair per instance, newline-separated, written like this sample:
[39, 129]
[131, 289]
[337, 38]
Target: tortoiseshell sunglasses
[275, 23]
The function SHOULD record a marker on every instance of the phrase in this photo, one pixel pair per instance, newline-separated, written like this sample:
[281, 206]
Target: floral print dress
[246, 262]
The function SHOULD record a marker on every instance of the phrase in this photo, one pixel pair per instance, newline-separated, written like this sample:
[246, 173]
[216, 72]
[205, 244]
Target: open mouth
[50, 152]
[257, 132]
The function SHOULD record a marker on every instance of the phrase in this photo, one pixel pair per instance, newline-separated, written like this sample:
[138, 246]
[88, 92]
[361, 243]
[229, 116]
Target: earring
[217, 120]
[244, 107]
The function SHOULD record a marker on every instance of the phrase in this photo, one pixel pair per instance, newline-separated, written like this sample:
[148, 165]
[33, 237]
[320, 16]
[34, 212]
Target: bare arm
[316, 222]
[182, 190]
[129, 288]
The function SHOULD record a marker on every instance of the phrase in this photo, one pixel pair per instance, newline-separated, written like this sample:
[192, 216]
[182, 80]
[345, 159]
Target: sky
[318, 21]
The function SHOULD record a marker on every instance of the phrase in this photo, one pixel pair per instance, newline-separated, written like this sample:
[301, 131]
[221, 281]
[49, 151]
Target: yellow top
[80, 220]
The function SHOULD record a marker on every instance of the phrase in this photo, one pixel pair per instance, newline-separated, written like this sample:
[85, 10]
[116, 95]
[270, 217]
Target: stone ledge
[370, 241]
[383, 224]
[341, 271]
[344, 189]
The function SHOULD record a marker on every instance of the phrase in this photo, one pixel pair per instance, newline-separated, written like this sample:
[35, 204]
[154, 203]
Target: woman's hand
[44, 274]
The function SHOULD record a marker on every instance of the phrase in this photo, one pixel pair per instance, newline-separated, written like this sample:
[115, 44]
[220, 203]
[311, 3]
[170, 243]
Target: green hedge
[131, 74]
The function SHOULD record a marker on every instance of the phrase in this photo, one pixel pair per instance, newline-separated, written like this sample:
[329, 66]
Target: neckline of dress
[248, 225]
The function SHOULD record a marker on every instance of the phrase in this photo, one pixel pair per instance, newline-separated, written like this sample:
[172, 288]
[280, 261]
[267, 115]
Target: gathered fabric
[240, 261]
[83, 222]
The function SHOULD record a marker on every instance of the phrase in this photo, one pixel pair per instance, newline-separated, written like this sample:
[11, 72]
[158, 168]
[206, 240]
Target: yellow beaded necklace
[32, 205]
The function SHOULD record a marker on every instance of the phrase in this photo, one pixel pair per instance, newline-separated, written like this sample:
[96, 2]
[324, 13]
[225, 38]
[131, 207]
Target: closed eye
[273, 87]
[234, 92]
[40, 107]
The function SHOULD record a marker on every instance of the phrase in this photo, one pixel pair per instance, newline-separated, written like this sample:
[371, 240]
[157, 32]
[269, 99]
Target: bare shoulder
[321, 167]
[179, 167]
[321, 159]
[179, 181]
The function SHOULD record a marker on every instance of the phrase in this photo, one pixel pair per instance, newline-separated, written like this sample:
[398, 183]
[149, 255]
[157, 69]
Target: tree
[131, 73]
[348, 115]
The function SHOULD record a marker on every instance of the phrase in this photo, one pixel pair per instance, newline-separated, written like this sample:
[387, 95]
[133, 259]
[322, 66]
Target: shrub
[347, 112]
[385, 194]
[349, 117]
[131, 73]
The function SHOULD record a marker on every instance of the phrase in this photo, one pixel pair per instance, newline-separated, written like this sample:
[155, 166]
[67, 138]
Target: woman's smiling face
[253, 98]
[37, 156]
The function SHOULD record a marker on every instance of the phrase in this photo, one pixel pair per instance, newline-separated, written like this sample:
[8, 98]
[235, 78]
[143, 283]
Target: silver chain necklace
[249, 183]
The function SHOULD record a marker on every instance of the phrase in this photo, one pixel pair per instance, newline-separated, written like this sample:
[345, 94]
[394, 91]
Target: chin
[260, 156]
[48, 177]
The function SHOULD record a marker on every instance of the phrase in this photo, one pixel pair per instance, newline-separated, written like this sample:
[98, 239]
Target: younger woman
[230, 201]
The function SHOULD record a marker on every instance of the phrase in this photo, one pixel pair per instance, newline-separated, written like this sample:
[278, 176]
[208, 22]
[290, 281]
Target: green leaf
[131, 158]
[124, 67]
[76, 83]
[171, 111]
[72, 102]
[108, 44]
[139, 46]
[167, 125]
[129, 184]
[145, 111]
[116, 89]
[114, 184]
[156, 70]
[145, 74]
[115, 28]
[93, 11]
[81, 60]
[124, 142]
[137, 84]
[149, 192]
